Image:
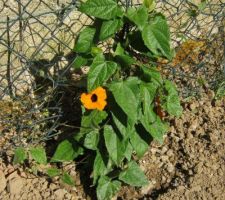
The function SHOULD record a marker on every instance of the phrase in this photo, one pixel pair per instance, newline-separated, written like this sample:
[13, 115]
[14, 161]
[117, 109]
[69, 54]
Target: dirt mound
[189, 165]
[191, 162]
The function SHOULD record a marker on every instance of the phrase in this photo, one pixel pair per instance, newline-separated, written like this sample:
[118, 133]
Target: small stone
[46, 194]
[220, 172]
[13, 175]
[193, 106]
[163, 179]
[53, 186]
[170, 168]
[37, 195]
[147, 189]
[2, 181]
[164, 158]
[196, 188]
[35, 180]
[170, 153]
[181, 188]
[15, 185]
[23, 196]
[59, 194]
[23, 174]
[164, 150]
[194, 125]
[45, 185]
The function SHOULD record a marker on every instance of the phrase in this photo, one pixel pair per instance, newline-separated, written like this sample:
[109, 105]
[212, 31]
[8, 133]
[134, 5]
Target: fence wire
[38, 99]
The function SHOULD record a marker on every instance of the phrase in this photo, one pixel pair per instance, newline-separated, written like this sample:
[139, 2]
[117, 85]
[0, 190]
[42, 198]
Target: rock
[12, 175]
[15, 185]
[46, 194]
[194, 125]
[170, 153]
[2, 181]
[148, 188]
[60, 193]
[52, 186]
[170, 168]
[196, 188]
[193, 106]
[37, 195]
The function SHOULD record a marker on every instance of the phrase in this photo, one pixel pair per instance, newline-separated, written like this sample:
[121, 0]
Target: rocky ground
[191, 162]
[189, 165]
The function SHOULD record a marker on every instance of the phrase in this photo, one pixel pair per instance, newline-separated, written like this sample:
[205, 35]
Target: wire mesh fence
[37, 97]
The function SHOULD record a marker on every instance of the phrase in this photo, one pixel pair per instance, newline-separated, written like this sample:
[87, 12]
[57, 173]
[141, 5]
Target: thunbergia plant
[125, 92]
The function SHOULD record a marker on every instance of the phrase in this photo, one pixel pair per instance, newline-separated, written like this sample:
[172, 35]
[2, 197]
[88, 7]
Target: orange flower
[96, 99]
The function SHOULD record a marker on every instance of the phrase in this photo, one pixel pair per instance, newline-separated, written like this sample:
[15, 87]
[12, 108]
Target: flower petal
[100, 92]
[86, 101]
[101, 105]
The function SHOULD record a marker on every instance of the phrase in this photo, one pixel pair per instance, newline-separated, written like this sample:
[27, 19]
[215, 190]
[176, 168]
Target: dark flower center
[94, 98]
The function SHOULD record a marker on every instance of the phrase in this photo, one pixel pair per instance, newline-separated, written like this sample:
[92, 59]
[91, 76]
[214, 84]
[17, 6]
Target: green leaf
[138, 144]
[95, 51]
[90, 121]
[52, 172]
[156, 37]
[119, 50]
[133, 83]
[66, 178]
[152, 75]
[220, 91]
[120, 126]
[114, 145]
[157, 129]
[138, 16]
[91, 140]
[103, 9]
[170, 87]
[122, 57]
[39, 155]
[126, 98]
[93, 119]
[129, 151]
[100, 71]
[85, 40]
[101, 167]
[67, 150]
[133, 175]
[19, 156]
[150, 5]
[148, 92]
[202, 5]
[109, 28]
[172, 105]
[135, 36]
[79, 62]
[107, 189]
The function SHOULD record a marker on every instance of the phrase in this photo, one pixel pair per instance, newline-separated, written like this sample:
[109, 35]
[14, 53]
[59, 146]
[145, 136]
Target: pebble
[194, 125]
[170, 153]
[147, 189]
[193, 106]
[164, 158]
[52, 186]
[2, 181]
[59, 194]
[196, 188]
[15, 185]
[170, 168]
[164, 150]
[12, 175]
